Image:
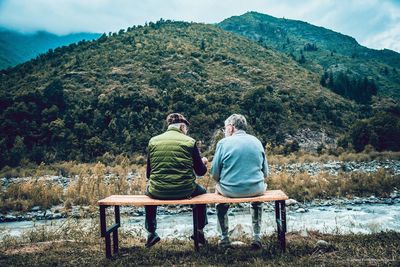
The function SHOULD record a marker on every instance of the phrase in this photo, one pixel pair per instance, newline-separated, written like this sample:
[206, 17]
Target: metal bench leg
[103, 231]
[195, 227]
[115, 233]
[280, 214]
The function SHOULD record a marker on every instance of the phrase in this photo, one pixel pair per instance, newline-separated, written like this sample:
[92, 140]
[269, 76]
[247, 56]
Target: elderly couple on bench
[239, 167]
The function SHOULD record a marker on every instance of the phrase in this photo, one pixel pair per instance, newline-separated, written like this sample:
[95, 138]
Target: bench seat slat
[208, 198]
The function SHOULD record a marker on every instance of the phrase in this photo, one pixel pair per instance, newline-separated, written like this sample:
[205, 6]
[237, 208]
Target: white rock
[290, 202]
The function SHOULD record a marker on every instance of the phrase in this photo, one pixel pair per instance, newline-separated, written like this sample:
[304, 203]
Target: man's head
[234, 123]
[178, 121]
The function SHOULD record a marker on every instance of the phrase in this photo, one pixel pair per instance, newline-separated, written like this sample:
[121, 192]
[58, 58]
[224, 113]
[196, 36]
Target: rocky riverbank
[333, 167]
[58, 212]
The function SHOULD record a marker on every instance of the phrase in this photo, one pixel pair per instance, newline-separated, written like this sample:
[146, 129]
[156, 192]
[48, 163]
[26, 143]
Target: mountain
[16, 47]
[110, 95]
[321, 50]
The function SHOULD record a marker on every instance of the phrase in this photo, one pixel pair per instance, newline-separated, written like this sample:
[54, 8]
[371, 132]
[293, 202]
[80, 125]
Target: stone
[57, 216]
[211, 212]
[304, 233]
[35, 208]
[237, 232]
[322, 244]
[300, 210]
[10, 218]
[238, 244]
[290, 202]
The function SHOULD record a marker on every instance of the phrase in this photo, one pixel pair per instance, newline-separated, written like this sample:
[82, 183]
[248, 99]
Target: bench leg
[115, 233]
[280, 214]
[195, 227]
[104, 232]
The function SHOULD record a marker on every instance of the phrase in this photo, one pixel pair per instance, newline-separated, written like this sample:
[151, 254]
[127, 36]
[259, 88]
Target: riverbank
[381, 249]
[51, 197]
[81, 212]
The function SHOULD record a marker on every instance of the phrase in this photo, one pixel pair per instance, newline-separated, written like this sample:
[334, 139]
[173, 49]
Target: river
[343, 219]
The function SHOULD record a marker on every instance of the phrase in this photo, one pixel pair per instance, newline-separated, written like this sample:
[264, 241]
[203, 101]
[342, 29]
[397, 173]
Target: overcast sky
[374, 23]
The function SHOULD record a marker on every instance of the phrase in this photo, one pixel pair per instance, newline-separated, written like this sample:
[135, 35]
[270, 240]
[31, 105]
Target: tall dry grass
[98, 181]
[306, 187]
[23, 196]
[307, 157]
[91, 182]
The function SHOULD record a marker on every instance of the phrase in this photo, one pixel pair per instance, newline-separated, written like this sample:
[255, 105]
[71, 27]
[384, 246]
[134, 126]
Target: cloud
[373, 23]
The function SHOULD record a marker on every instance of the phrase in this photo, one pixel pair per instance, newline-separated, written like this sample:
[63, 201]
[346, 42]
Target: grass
[308, 157]
[91, 182]
[23, 196]
[73, 246]
[306, 187]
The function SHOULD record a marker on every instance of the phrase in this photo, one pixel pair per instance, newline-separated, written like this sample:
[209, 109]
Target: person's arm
[216, 164]
[148, 167]
[198, 166]
[265, 168]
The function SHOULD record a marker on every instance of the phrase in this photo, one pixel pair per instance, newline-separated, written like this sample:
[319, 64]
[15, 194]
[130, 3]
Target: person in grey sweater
[239, 167]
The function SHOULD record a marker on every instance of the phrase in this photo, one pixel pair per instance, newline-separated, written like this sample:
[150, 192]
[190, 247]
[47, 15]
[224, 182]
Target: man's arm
[198, 166]
[148, 167]
[265, 168]
[216, 164]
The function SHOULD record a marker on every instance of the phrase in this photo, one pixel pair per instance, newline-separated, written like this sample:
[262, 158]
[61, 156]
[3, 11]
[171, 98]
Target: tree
[17, 151]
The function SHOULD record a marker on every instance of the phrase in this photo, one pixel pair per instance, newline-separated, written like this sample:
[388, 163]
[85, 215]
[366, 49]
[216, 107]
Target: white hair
[237, 120]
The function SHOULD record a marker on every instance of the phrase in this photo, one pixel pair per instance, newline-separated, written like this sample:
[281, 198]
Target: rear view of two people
[174, 160]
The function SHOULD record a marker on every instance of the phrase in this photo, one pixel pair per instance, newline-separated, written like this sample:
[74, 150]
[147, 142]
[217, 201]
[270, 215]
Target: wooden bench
[210, 198]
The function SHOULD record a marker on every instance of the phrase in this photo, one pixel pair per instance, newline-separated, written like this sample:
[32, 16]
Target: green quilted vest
[171, 165]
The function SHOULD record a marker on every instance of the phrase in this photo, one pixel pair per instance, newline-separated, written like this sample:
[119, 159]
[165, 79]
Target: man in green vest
[172, 165]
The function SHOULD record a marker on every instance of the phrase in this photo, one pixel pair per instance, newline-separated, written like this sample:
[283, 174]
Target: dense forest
[110, 95]
[321, 50]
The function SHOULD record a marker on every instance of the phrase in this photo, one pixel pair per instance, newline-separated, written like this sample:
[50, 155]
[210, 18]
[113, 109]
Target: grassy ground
[382, 249]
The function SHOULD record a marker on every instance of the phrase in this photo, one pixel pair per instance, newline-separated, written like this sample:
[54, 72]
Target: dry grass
[23, 196]
[91, 182]
[98, 181]
[305, 157]
[305, 187]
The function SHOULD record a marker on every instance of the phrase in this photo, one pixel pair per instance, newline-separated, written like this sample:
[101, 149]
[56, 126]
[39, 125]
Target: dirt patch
[35, 247]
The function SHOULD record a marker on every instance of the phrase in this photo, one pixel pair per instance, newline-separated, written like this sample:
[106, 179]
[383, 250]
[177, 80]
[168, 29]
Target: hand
[204, 160]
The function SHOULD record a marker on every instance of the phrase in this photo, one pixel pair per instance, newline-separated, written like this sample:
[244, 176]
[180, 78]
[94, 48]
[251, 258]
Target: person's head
[234, 123]
[178, 121]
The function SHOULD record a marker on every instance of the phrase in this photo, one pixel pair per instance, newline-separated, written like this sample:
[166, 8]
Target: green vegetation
[112, 94]
[319, 49]
[72, 245]
[16, 48]
[359, 90]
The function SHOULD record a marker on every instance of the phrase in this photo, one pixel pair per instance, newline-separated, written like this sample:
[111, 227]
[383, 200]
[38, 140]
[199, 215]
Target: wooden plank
[209, 198]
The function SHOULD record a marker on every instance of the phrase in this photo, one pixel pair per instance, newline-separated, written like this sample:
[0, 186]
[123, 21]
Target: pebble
[300, 210]
[290, 202]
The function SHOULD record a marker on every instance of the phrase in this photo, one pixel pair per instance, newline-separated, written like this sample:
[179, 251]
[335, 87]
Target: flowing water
[361, 218]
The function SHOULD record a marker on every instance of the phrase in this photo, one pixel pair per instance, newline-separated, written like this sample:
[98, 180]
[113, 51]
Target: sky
[374, 23]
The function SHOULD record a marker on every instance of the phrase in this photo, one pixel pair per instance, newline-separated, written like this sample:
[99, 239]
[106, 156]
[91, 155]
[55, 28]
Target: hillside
[321, 49]
[112, 94]
[16, 48]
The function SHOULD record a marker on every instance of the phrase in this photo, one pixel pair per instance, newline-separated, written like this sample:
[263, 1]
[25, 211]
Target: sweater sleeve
[216, 164]
[265, 168]
[198, 166]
